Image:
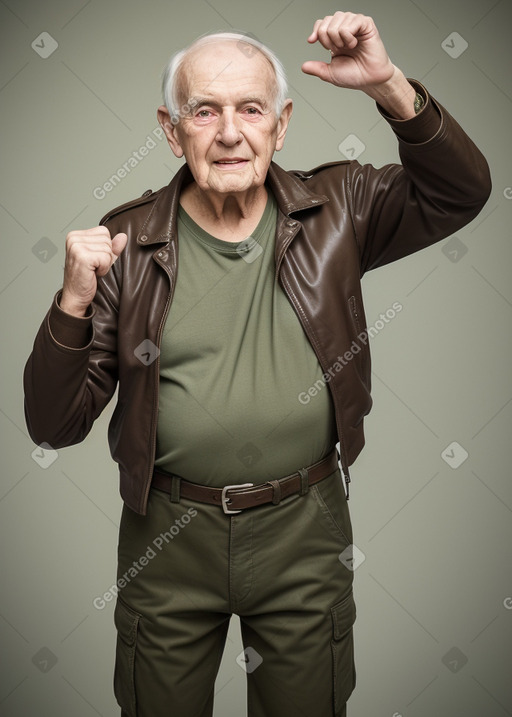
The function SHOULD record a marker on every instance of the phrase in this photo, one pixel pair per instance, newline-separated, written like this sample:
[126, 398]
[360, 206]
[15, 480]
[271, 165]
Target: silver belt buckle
[225, 500]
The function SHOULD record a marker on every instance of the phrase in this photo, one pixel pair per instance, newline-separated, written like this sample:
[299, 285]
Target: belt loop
[276, 485]
[175, 489]
[304, 481]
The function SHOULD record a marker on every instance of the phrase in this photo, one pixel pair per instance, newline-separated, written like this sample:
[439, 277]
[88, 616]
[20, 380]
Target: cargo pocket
[126, 621]
[342, 644]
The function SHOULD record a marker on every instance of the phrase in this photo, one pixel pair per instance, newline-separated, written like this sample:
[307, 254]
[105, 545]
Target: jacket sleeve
[442, 183]
[71, 373]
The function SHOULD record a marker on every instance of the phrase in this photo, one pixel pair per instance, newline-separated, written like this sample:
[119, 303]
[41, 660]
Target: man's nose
[229, 128]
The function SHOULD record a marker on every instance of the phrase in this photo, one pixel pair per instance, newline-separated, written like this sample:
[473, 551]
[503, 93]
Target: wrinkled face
[231, 132]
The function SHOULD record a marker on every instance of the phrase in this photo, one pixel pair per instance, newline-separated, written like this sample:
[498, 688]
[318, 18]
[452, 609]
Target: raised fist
[89, 253]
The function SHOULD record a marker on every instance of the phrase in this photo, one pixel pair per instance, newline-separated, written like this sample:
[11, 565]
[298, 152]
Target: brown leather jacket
[335, 222]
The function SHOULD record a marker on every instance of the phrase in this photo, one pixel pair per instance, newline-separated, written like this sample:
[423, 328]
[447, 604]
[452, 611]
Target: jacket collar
[291, 194]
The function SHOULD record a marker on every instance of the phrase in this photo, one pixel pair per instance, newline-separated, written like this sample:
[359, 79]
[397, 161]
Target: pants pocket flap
[126, 621]
[343, 616]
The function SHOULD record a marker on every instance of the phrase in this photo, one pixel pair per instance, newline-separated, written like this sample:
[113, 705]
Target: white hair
[170, 75]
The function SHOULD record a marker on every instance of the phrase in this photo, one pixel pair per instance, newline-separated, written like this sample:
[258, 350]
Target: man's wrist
[422, 127]
[69, 331]
[396, 96]
[66, 303]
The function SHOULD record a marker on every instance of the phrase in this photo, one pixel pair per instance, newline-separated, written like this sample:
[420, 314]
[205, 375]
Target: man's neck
[230, 218]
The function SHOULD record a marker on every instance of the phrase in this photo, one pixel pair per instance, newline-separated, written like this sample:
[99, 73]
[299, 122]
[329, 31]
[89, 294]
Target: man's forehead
[222, 62]
[214, 48]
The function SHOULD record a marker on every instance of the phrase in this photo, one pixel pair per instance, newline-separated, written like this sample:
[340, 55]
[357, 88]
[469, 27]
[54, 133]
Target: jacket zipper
[353, 308]
[154, 418]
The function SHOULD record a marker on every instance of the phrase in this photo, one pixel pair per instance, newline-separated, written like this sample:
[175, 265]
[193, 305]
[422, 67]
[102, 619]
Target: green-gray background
[434, 593]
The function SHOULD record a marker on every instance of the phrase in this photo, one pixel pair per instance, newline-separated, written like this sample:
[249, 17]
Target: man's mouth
[235, 163]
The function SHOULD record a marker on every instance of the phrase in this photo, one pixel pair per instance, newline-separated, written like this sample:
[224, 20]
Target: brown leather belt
[236, 497]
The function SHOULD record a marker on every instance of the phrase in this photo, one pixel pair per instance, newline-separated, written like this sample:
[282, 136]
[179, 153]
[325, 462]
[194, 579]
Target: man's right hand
[89, 253]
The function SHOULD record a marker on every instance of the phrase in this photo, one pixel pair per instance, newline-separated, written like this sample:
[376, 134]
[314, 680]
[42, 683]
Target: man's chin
[230, 185]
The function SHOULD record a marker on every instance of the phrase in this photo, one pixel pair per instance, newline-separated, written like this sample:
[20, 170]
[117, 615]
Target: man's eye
[252, 110]
[203, 113]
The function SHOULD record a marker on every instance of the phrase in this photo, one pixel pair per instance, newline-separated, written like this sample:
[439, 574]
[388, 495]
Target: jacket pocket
[126, 621]
[342, 645]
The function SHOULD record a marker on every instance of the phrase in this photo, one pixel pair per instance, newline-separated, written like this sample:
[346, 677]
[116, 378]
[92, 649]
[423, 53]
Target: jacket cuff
[421, 128]
[70, 331]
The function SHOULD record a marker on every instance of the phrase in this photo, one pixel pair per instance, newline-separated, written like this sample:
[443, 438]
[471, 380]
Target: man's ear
[282, 123]
[164, 120]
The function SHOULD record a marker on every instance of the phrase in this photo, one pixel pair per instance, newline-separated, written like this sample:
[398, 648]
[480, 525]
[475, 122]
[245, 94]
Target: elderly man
[228, 307]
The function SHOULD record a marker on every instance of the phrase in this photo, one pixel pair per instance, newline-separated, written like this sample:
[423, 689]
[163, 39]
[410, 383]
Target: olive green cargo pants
[185, 567]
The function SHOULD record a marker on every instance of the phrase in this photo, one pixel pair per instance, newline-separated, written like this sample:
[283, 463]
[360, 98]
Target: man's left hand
[359, 61]
[358, 55]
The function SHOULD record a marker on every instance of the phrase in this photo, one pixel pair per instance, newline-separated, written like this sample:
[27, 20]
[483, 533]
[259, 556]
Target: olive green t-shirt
[234, 359]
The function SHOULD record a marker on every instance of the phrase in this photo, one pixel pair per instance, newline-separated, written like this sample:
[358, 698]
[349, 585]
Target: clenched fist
[358, 56]
[360, 61]
[89, 253]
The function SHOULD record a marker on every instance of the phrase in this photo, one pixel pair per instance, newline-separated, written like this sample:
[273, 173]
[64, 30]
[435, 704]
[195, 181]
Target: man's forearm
[66, 382]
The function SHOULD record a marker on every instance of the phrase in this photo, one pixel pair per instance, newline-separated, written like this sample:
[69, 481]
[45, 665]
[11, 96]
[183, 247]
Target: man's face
[232, 131]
